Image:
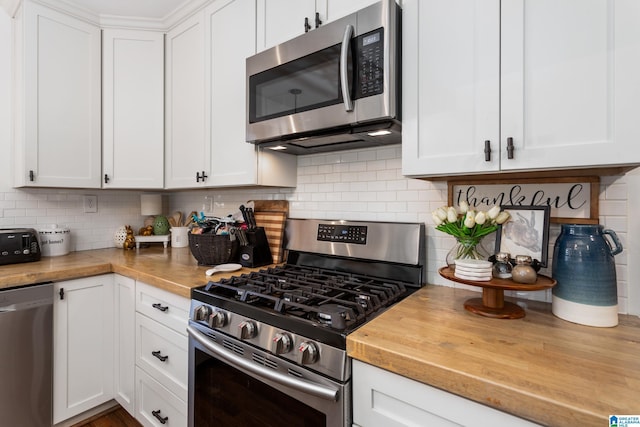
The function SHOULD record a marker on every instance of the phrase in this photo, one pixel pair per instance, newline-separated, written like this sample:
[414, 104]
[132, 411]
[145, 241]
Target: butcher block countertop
[172, 269]
[541, 367]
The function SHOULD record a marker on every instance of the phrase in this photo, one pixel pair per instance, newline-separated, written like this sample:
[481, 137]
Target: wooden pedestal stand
[492, 303]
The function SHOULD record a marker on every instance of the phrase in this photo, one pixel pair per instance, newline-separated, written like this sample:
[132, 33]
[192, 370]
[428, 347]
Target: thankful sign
[571, 200]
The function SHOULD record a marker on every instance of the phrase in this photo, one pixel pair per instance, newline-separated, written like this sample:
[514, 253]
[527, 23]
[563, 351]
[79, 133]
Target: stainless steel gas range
[269, 348]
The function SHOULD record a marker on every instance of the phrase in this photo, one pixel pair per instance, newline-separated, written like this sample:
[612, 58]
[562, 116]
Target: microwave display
[313, 81]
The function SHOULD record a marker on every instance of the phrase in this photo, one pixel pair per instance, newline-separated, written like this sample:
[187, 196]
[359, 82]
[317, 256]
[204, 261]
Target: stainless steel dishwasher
[26, 355]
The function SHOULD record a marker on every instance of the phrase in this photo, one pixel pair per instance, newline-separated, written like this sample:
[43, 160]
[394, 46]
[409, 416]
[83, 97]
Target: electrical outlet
[90, 204]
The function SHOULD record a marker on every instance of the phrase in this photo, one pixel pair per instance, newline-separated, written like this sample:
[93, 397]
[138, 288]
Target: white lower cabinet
[161, 362]
[124, 343]
[385, 399]
[116, 338]
[83, 345]
[162, 353]
[157, 406]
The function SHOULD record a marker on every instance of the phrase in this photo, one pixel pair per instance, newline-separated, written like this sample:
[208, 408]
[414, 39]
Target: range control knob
[281, 343]
[201, 313]
[217, 319]
[247, 329]
[307, 353]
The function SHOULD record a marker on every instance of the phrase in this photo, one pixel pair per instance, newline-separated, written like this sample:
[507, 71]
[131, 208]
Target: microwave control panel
[343, 233]
[370, 54]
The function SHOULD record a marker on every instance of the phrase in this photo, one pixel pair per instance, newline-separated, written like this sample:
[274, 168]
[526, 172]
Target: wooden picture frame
[526, 233]
[558, 192]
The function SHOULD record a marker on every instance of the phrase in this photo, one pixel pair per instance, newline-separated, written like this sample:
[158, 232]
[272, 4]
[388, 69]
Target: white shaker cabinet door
[187, 149]
[124, 338]
[57, 105]
[451, 87]
[133, 115]
[570, 83]
[282, 20]
[336, 9]
[384, 399]
[234, 162]
[83, 345]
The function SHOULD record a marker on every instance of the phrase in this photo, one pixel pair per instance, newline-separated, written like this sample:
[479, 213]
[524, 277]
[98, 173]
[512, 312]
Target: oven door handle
[314, 389]
[344, 62]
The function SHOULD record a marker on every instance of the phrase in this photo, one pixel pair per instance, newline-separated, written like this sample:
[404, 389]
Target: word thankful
[558, 196]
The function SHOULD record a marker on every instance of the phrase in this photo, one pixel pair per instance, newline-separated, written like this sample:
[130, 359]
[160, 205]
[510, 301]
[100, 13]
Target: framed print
[526, 233]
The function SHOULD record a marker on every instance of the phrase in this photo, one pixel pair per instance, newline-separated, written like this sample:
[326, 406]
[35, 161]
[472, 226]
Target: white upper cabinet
[133, 113]
[554, 79]
[186, 146]
[230, 39]
[57, 103]
[282, 20]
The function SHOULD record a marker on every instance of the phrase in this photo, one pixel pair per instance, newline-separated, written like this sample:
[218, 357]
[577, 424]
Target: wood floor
[116, 417]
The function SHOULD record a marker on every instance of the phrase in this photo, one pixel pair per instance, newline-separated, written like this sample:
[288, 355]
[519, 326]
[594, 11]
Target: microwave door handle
[344, 77]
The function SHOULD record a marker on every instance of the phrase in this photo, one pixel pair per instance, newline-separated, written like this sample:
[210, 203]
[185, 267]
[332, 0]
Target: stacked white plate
[473, 269]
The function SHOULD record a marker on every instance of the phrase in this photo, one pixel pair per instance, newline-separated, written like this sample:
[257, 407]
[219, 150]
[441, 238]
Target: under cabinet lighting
[278, 147]
[379, 133]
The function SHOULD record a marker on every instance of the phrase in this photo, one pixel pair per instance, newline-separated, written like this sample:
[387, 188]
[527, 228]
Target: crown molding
[187, 8]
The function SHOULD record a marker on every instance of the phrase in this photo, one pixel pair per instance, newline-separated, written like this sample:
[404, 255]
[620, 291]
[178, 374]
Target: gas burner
[333, 314]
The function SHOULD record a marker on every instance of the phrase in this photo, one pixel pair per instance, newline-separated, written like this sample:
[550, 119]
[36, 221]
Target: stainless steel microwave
[335, 87]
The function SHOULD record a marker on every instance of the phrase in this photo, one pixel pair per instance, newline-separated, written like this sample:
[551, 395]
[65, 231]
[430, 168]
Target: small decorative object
[473, 269]
[585, 269]
[523, 272]
[146, 230]
[502, 267]
[161, 225]
[527, 233]
[130, 241]
[120, 236]
[469, 227]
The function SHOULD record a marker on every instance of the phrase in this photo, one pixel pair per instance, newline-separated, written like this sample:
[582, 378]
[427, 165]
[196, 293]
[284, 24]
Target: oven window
[304, 84]
[225, 396]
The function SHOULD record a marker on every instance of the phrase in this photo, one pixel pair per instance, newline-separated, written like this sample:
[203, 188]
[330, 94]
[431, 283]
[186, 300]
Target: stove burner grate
[324, 297]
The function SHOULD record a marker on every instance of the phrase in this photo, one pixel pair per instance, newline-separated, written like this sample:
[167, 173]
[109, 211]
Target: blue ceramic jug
[584, 267]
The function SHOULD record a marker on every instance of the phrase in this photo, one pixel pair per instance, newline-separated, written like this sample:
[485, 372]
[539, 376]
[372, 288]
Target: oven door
[233, 384]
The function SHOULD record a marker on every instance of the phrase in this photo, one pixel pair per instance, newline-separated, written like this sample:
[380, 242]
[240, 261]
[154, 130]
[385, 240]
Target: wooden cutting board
[272, 215]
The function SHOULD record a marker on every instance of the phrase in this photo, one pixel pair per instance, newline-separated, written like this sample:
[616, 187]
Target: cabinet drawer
[162, 353]
[152, 398]
[169, 309]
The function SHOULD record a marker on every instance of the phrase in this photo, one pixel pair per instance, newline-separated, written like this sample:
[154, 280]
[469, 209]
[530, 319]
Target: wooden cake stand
[492, 303]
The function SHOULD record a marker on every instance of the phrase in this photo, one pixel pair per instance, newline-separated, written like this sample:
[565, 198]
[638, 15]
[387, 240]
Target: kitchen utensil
[252, 219]
[223, 268]
[177, 217]
[190, 218]
[243, 210]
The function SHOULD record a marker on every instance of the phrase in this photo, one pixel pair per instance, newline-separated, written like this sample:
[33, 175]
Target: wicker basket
[211, 249]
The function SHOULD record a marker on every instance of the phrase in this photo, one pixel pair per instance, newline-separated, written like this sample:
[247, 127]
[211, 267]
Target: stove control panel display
[343, 233]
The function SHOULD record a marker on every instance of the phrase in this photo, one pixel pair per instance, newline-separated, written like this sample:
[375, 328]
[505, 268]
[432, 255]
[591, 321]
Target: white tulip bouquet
[468, 227]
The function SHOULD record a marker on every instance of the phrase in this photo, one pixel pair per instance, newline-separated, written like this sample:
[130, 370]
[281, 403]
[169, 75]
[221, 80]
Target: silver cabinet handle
[344, 76]
[317, 390]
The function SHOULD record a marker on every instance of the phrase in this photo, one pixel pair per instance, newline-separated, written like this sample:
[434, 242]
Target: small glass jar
[502, 267]
[523, 272]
